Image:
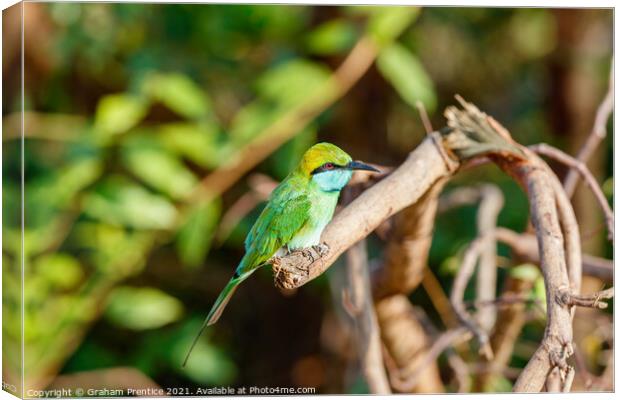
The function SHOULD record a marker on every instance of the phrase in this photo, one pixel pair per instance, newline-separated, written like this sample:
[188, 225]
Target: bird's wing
[281, 219]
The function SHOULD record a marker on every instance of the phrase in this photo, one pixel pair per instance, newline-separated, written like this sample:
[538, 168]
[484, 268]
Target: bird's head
[330, 167]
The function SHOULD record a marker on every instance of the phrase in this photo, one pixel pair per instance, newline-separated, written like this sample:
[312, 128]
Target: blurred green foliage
[139, 102]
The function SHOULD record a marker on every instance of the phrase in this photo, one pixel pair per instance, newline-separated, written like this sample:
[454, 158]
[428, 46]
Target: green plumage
[295, 216]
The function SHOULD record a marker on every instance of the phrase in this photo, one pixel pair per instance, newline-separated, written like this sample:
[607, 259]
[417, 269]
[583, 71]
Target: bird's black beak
[357, 165]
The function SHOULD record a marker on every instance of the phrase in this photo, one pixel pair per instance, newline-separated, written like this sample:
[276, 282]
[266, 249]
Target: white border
[471, 3]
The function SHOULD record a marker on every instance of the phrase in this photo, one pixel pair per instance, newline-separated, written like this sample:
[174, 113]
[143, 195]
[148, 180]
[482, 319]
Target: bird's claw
[321, 248]
[308, 254]
[313, 251]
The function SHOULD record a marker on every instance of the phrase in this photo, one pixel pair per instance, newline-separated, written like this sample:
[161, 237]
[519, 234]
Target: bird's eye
[328, 166]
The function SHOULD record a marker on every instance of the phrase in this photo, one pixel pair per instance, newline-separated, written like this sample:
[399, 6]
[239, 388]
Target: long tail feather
[217, 309]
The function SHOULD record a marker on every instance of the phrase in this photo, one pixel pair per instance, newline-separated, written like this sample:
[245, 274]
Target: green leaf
[50, 194]
[332, 37]
[292, 82]
[142, 308]
[115, 251]
[251, 120]
[525, 272]
[117, 113]
[120, 202]
[159, 169]
[385, 24]
[281, 89]
[179, 93]
[407, 75]
[196, 234]
[286, 158]
[450, 265]
[196, 142]
[75, 177]
[59, 270]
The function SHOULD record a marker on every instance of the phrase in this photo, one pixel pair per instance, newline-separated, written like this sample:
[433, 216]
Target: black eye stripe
[324, 167]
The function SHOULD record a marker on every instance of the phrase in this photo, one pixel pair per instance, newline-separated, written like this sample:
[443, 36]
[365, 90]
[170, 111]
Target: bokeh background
[130, 106]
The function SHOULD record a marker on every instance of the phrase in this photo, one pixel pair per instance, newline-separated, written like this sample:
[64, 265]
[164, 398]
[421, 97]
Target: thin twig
[505, 300]
[580, 167]
[524, 245]
[588, 300]
[458, 290]
[424, 117]
[438, 298]
[597, 135]
[461, 370]
[460, 197]
[491, 204]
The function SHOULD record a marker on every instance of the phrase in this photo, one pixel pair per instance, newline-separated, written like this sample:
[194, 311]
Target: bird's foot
[321, 248]
[307, 253]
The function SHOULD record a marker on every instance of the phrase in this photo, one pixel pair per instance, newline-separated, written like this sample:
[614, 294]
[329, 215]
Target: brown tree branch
[458, 290]
[405, 260]
[545, 199]
[556, 346]
[524, 245]
[408, 245]
[491, 204]
[570, 231]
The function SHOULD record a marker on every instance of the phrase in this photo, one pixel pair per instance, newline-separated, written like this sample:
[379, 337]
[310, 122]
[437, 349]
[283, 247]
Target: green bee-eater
[295, 216]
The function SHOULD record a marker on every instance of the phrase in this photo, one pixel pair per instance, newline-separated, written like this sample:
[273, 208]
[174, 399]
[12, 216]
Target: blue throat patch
[332, 181]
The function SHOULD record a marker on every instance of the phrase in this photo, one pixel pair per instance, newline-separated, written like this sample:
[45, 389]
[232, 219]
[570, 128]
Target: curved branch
[578, 165]
[556, 345]
[492, 201]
